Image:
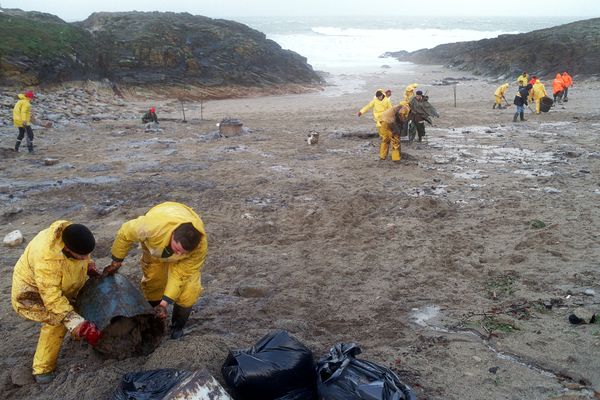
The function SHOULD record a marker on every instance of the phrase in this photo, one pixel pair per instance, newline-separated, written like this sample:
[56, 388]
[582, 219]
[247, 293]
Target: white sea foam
[355, 44]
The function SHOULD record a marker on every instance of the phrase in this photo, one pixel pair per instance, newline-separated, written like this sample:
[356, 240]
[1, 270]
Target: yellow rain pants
[157, 273]
[387, 137]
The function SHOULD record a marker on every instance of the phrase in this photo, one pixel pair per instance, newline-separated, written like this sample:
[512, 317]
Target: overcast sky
[76, 10]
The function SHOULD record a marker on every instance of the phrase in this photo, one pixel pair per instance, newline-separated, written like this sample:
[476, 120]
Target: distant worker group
[533, 90]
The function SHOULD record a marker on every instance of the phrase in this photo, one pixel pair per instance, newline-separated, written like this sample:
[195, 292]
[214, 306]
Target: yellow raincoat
[45, 282]
[523, 79]
[22, 112]
[177, 277]
[539, 92]
[409, 92]
[500, 92]
[384, 130]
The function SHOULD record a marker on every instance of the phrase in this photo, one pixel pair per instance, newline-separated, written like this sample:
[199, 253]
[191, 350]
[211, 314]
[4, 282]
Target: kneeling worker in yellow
[46, 280]
[174, 247]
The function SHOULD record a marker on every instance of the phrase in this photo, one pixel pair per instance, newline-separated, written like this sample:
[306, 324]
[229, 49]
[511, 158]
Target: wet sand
[435, 266]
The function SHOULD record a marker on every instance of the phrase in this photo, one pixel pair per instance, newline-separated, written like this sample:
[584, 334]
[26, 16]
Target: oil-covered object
[126, 319]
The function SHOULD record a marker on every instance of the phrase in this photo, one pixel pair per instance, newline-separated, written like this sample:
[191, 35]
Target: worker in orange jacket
[558, 88]
[568, 81]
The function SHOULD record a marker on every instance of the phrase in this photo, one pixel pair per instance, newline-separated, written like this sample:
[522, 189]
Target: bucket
[546, 104]
[126, 319]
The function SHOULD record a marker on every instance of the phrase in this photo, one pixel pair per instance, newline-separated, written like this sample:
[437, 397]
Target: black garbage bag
[342, 377]
[277, 367]
[546, 103]
[148, 385]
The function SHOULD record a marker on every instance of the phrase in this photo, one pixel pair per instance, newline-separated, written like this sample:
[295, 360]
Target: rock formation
[573, 47]
[144, 48]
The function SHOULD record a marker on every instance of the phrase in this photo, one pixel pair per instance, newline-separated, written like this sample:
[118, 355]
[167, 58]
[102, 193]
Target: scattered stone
[589, 292]
[551, 190]
[13, 239]
[12, 211]
[582, 315]
[152, 127]
[313, 137]
[50, 161]
[584, 171]
[252, 291]
[493, 370]
[477, 359]
[21, 376]
[536, 224]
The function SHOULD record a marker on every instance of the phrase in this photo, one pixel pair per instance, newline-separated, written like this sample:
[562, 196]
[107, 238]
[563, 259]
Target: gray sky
[76, 10]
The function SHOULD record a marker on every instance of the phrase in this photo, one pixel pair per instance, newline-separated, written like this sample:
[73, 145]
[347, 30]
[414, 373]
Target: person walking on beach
[45, 283]
[174, 247]
[499, 93]
[522, 79]
[379, 104]
[521, 101]
[568, 82]
[420, 111]
[539, 92]
[557, 88]
[22, 119]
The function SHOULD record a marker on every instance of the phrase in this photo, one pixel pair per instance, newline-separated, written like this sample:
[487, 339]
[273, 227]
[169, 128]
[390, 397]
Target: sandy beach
[435, 266]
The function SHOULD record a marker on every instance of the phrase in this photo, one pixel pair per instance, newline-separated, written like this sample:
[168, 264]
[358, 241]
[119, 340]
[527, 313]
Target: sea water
[355, 44]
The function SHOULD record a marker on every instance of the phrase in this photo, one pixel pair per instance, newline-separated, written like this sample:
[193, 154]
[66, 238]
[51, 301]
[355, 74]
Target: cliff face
[181, 48]
[37, 47]
[573, 47]
[144, 48]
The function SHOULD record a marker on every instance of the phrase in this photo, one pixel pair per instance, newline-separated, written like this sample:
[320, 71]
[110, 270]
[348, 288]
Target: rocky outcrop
[37, 48]
[137, 48]
[573, 47]
[155, 47]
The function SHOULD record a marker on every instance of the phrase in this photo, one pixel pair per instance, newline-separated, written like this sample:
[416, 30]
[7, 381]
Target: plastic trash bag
[148, 385]
[342, 377]
[277, 367]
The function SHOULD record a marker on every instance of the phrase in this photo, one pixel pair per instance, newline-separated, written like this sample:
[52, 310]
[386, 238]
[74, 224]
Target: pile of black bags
[279, 367]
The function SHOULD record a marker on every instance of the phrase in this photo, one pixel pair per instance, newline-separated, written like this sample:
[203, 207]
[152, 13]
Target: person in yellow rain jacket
[394, 119]
[522, 80]
[174, 247]
[46, 280]
[568, 81]
[379, 104]
[409, 92]
[499, 94]
[539, 92]
[22, 120]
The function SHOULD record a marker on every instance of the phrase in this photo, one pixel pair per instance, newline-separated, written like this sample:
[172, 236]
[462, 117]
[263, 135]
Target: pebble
[13, 239]
[50, 161]
[589, 292]
[21, 376]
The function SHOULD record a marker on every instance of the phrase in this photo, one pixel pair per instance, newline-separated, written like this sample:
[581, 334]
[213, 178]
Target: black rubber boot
[30, 147]
[494, 106]
[515, 117]
[178, 320]
[17, 145]
[522, 115]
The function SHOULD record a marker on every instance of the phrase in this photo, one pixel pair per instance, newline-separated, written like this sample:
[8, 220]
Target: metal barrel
[120, 311]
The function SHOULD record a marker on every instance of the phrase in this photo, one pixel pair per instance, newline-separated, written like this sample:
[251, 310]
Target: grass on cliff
[23, 36]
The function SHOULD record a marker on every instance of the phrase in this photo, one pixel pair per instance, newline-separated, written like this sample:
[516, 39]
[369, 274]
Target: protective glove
[160, 311]
[112, 268]
[92, 271]
[359, 113]
[87, 330]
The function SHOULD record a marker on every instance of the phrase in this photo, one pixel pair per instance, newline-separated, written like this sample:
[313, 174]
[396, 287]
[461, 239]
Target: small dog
[313, 137]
